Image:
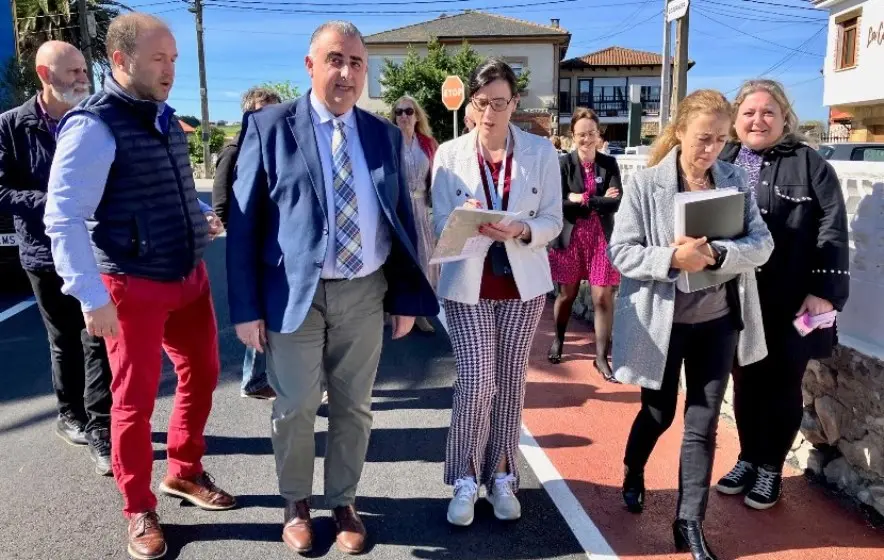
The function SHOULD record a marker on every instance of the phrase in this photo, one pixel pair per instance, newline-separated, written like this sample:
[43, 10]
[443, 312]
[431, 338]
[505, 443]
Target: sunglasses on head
[406, 111]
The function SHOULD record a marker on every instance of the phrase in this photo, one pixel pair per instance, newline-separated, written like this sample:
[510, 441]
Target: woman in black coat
[801, 201]
[591, 193]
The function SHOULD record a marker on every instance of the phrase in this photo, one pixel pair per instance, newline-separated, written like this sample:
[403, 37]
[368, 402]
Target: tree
[190, 119]
[422, 77]
[195, 144]
[39, 21]
[286, 90]
[17, 83]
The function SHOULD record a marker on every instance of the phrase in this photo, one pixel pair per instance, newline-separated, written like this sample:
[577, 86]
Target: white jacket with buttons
[535, 191]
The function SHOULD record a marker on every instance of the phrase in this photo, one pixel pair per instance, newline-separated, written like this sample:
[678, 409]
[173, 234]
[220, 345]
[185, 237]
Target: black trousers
[708, 351]
[81, 373]
[768, 403]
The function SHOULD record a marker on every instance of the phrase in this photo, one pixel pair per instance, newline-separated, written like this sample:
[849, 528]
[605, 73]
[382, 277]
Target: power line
[802, 82]
[754, 15]
[259, 6]
[754, 11]
[630, 28]
[756, 37]
[792, 55]
[780, 5]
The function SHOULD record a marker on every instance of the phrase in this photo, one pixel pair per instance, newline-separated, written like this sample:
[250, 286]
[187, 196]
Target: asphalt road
[55, 507]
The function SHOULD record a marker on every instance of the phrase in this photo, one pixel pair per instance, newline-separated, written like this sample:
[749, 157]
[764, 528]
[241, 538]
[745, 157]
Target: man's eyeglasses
[497, 104]
[406, 111]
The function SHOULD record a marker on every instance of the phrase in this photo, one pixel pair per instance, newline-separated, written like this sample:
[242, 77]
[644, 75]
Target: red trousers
[177, 317]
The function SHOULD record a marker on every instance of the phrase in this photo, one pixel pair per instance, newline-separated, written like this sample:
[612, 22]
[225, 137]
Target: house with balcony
[524, 45]
[600, 81]
[854, 82]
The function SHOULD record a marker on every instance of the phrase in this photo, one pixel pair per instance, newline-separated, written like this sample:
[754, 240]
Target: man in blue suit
[321, 242]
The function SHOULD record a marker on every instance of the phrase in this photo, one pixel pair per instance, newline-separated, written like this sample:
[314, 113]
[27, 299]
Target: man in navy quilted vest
[128, 235]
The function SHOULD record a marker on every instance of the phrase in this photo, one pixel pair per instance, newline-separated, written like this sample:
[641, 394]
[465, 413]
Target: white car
[853, 151]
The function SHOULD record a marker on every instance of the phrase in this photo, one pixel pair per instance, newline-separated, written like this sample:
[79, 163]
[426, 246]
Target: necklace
[703, 184]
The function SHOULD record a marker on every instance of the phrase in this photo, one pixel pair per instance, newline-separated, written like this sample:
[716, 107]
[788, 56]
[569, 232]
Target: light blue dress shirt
[373, 227]
[84, 154]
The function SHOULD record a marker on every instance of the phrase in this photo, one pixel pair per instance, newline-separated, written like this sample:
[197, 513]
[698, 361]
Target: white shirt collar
[324, 115]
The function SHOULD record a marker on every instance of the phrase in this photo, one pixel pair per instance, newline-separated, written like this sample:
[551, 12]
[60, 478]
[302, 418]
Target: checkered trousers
[491, 343]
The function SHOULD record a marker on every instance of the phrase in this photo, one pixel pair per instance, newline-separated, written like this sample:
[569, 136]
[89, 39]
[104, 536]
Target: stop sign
[452, 93]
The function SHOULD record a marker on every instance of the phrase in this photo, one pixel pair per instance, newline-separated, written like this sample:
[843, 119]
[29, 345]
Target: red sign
[452, 93]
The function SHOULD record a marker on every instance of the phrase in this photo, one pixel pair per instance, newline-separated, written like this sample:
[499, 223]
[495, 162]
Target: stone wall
[842, 432]
[843, 425]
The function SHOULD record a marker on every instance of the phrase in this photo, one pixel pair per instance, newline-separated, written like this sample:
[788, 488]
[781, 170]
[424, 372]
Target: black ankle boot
[634, 490]
[689, 538]
[555, 351]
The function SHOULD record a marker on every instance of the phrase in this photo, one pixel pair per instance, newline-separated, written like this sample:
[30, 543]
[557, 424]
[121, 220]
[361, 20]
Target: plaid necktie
[348, 241]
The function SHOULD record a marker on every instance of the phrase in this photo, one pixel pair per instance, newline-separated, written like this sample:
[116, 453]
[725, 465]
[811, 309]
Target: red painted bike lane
[582, 423]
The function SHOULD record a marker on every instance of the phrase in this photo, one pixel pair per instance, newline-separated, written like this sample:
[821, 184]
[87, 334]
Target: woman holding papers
[658, 327]
[493, 304]
[801, 201]
[418, 151]
[591, 194]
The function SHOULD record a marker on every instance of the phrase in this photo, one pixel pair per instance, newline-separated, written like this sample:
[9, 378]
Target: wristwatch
[720, 254]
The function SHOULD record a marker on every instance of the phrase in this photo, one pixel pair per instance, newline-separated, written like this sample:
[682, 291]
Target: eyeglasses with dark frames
[497, 104]
[406, 111]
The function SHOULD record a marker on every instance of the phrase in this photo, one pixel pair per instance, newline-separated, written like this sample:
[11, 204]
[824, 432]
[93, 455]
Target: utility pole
[666, 73]
[681, 59]
[197, 9]
[86, 41]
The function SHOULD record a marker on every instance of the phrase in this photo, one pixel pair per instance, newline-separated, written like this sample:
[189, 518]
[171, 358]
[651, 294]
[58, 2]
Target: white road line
[16, 309]
[585, 531]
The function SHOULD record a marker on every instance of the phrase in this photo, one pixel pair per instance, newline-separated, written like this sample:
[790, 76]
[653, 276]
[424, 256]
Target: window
[584, 93]
[848, 35]
[826, 151]
[376, 67]
[517, 67]
[867, 154]
[650, 93]
[565, 95]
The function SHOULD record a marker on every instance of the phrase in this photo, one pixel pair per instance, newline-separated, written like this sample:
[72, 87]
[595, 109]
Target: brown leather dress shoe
[146, 541]
[351, 531]
[199, 490]
[297, 533]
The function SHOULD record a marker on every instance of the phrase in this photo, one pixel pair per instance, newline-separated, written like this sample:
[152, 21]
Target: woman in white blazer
[493, 304]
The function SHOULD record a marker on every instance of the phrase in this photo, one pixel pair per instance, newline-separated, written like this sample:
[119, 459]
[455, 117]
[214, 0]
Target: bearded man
[80, 372]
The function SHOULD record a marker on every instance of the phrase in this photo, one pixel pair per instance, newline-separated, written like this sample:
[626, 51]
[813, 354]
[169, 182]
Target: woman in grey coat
[657, 327]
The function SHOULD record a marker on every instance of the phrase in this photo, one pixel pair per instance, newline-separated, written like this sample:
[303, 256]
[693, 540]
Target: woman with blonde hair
[800, 199]
[419, 149]
[658, 327]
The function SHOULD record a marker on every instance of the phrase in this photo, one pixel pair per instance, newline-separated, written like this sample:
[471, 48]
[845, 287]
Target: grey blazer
[640, 250]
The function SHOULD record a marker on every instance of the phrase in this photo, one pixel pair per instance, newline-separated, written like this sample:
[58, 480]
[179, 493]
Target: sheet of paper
[461, 240]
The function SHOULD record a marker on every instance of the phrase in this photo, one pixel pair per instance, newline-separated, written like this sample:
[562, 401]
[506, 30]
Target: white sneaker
[461, 509]
[506, 505]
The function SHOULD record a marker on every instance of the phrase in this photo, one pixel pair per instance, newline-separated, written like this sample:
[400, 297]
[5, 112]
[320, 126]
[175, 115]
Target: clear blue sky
[246, 46]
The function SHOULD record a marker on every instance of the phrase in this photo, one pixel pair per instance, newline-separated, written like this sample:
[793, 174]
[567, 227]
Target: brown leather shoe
[200, 491]
[146, 541]
[351, 531]
[297, 533]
